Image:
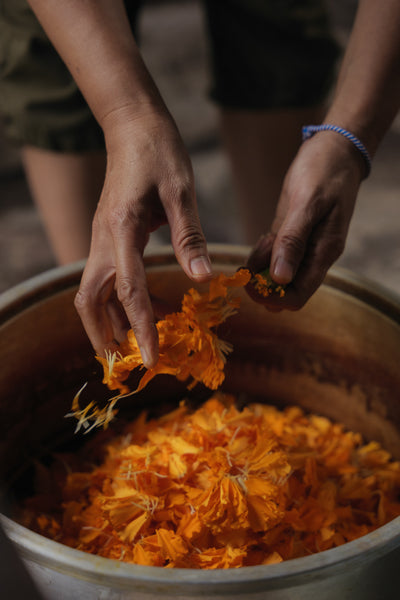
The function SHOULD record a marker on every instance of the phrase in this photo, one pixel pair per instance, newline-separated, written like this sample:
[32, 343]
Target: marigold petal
[172, 545]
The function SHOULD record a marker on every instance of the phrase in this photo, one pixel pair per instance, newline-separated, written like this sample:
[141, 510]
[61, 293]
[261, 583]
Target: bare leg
[66, 189]
[261, 145]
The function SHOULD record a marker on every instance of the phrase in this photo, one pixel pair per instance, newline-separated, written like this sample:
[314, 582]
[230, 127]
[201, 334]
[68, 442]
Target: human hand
[312, 219]
[149, 181]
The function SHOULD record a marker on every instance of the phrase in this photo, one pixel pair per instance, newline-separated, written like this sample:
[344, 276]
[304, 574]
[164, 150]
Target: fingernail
[148, 360]
[200, 266]
[145, 357]
[282, 271]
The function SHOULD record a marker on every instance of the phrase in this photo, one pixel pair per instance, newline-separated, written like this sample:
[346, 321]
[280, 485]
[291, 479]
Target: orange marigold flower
[187, 347]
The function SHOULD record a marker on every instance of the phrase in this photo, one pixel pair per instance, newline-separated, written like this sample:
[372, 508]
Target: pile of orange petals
[189, 349]
[220, 488]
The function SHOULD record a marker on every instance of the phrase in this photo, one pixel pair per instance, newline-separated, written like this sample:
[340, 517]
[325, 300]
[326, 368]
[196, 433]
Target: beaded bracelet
[309, 130]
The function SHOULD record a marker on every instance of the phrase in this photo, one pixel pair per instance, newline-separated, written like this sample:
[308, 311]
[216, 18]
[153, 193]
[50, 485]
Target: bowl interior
[339, 356]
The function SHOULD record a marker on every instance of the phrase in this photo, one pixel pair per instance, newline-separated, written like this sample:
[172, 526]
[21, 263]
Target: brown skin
[319, 192]
[149, 178]
[312, 219]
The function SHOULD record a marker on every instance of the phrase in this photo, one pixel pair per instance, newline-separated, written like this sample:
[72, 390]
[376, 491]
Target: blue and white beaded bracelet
[309, 130]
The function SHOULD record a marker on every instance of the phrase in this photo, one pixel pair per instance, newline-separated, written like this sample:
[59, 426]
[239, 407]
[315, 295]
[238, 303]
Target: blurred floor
[175, 49]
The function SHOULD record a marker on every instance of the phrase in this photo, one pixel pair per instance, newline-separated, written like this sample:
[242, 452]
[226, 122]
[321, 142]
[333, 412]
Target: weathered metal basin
[338, 356]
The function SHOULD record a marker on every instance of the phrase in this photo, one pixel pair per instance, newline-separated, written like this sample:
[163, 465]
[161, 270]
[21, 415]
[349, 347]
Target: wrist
[123, 122]
[361, 121]
[310, 130]
[335, 156]
[130, 95]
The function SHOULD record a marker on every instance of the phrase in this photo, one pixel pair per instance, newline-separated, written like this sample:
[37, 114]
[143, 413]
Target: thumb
[189, 242]
[289, 247]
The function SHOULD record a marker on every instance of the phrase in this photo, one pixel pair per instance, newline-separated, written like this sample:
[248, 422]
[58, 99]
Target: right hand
[149, 182]
[312, 219]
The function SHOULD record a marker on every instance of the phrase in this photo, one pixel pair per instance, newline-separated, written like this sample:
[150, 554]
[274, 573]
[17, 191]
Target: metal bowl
[339, 356]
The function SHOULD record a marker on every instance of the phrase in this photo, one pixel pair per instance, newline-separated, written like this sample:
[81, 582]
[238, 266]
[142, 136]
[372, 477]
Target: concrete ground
[175, 48]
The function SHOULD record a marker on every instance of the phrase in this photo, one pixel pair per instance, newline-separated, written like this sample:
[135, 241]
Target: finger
[118, 318]
[292, 236]
[325, 246]
[95, 289]
[131, 286]
[283, 252]
[288, 251]
[187, 236]
[258, 261]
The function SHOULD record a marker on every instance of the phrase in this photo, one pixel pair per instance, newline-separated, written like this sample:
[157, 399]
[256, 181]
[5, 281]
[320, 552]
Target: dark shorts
[265, 54]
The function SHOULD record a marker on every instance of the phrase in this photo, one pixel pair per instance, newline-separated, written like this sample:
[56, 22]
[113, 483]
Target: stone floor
[175, 48]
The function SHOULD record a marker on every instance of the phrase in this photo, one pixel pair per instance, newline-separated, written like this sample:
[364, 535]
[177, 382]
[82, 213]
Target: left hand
[312, 219]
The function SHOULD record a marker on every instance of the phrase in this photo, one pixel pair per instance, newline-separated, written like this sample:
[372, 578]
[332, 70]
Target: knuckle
[184, 190]
[190, 236]
[126, 291]
[137, 311]
[293, 243]
[339, 248]
[120, 216]
[334, 247]
[82, 301]
[179, 190]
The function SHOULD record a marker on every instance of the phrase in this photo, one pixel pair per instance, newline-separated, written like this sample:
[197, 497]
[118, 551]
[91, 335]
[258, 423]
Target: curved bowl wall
[338, 356]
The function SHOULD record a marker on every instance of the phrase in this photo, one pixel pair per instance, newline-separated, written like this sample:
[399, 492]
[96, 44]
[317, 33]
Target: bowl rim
[96, 569]
[59, 278]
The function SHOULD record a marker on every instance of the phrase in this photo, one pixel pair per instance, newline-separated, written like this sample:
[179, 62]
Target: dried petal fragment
[265, 285]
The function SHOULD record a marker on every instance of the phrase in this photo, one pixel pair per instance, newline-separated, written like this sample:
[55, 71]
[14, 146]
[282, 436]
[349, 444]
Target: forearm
[94, 39]
[367, 96]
